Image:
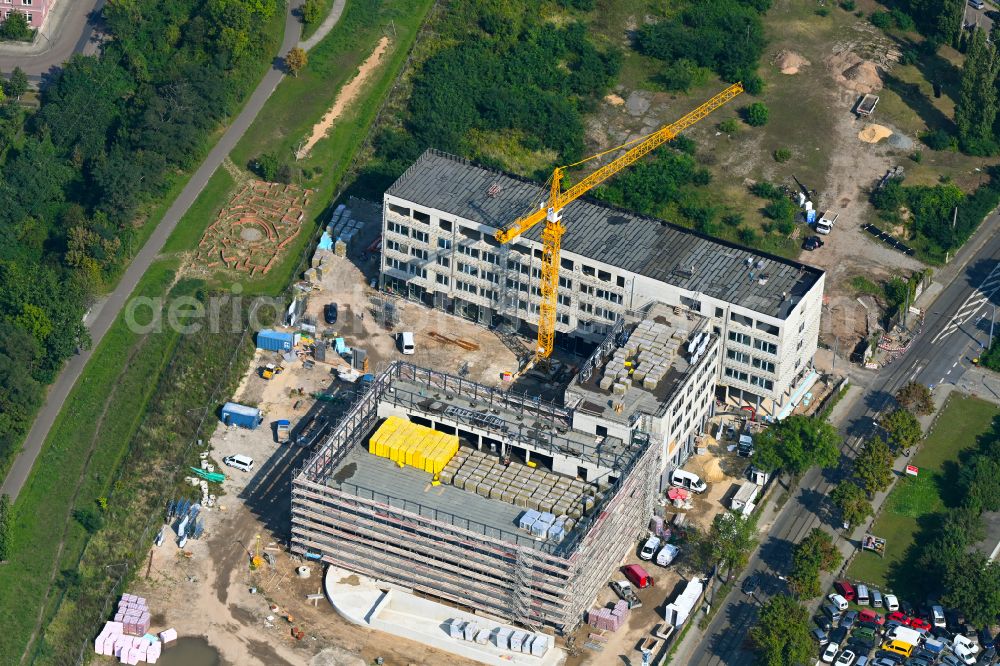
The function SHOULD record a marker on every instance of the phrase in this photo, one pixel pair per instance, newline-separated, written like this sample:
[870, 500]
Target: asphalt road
[71, 35]
[102, 316]
[957, 324]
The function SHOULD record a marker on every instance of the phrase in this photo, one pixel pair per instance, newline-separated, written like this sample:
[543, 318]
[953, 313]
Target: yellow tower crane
[550, 211]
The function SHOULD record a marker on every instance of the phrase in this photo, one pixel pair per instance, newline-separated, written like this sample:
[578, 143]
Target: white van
[406, 342]
[937, 612]
[688, 481]
[649, 548]
[242, 463]
[862, 597]
[891, 603]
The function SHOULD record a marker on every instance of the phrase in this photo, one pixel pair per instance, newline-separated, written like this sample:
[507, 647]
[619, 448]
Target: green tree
[915, 397]
[852, 502]
[976, 109]
[17, 84]
[902, 429]
[16, 27]
[815, 553]
[89, 519]
[733, 538]
[797, 443]
[756, 114]
[980, 480]
[781, 210]
[6, 531]
[312, 11]
[781, 636]
[959, 529]
[972, 583]
[873, 465]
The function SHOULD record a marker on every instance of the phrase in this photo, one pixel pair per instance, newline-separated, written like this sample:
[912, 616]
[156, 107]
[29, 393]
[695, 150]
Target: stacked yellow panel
[407, 443]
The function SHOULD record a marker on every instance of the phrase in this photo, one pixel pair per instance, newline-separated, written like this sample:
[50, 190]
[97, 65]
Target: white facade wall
[430, 250]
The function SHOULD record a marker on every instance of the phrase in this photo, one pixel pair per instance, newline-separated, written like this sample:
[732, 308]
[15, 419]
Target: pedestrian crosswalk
[979, 297]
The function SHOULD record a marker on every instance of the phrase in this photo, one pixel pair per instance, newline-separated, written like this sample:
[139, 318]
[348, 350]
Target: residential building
[35, 11]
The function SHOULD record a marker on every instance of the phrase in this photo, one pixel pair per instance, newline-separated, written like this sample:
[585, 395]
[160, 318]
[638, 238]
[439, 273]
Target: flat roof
[406, 487]
[643, 245]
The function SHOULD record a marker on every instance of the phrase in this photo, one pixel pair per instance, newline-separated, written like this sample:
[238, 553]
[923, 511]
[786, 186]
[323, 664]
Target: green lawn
[202, 212]
[915, 503]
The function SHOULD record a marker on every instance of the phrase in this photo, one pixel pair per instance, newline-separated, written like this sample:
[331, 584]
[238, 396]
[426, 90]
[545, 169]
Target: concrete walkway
[324, 29]
[105, 312]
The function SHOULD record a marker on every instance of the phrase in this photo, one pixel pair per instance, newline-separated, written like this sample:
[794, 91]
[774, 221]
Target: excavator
[550, 211]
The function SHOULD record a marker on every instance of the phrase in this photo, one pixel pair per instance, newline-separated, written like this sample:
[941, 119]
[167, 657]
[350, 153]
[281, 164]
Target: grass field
[916, 502]
[83, 450]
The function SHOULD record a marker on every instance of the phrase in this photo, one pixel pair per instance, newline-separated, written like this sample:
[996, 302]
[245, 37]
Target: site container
[241, 415]
[271, 340]
[502, 638]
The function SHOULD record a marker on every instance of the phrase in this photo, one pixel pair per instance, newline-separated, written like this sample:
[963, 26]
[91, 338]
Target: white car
[964, 649]
[667, 554]
[891, 603]
[240, 462]
[649, 548]
[838, 601]
[829, 653]
[846, 658]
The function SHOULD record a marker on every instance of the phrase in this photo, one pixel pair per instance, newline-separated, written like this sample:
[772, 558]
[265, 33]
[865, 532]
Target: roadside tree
[873, 465]
[902, 428]
[972, 583]
[781, 636]
[312, 11]
[976, 107]
[17, 85]
[733, 537]
[296, 60]
[917, 398]
[852, 502]
[815, 553]
[16, 27]
[797, 443]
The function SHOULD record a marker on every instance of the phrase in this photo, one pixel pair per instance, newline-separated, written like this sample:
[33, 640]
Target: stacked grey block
[650, 351]
[520, 485]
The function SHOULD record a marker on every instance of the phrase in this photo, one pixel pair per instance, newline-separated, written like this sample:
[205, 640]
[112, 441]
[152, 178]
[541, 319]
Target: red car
[868, 615]
[918, 623]
[844, 589]
[898, 616]
[637, 576]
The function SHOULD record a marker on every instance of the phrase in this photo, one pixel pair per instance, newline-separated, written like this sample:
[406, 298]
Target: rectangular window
[739, 357]
[421, 217]
[491, 258]
[420, 236]
[465, 286]
[740, 319]
[399, 210]
[762, 345]
[471, 234]
[767, 328]
[566, 264]
[468, 269]
[741, 338]
[565, 299]
[398, 228]
[587, 289]
[587, 307]
[604, 275]
[719, 312]
[563, 319]
[621, 281]
[766, 366]
[588, 270]
[469, 251]
[418, 253]
[443, 279]
[444, 261]
[486, 293]
[444, 243]
[393, 245]
[565, 283]
[445, 225]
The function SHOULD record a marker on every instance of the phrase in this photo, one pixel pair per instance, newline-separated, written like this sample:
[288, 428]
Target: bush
[729, 126]
[16, 27]
[266, 166]
[782, 155]
[747, 236]
[917, 156]
[753, 84]
[780, 209]
[312, 11]
[848, 5]
[732, 219]
[756, 114]
[89, 519]
[766, 190]
[908, 57]
[882, 20]
[938, 140]
[823, 11]
[902, 20]
[785, 227]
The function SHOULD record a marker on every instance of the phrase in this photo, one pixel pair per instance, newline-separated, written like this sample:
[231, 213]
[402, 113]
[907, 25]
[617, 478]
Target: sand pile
[874, 133]
[613, 99]
[712, 472]
[789, 62]
[854, 73]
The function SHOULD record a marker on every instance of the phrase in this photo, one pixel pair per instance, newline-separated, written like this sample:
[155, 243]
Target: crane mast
[551, 212]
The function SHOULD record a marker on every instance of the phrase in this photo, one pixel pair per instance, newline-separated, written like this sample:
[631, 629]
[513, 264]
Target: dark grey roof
[636, 243]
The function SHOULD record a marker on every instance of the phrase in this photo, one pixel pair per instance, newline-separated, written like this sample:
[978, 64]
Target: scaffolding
[507, 573]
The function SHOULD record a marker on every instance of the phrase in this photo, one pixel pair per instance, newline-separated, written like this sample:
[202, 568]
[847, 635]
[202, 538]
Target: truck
[283, 429]
[270, 370]
[624, 590]
[826, 221]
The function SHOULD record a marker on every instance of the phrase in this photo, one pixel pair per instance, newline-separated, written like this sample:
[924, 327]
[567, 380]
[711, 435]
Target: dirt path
[347, 94]
[69, 510]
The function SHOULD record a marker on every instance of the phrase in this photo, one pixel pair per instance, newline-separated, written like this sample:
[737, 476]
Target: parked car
[820, 636]
[937, 617]
[667, 554]
[838, 600]
[850, 617]
[750, 584]
[240, 462]
[868, 615]
[812, 243]
[688, 481]
[637, 576]
[986, 638]
[866, 634]
[846, 658]
[844, 589]
[822, 622]
[330, 313]
[977, 4]
[832, 612]
[919, 623]
[838, 635]
[829, 653]
[649, 548]
[897, 616]
[948, 659]
[891, 602]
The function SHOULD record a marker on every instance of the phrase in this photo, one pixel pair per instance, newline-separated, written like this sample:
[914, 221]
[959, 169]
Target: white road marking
[972, 305]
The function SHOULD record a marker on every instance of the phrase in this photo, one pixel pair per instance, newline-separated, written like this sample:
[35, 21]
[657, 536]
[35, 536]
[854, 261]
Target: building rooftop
[408, 488]
[637, 243]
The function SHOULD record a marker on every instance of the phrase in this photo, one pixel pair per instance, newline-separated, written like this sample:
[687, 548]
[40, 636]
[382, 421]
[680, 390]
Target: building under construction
[541, 501]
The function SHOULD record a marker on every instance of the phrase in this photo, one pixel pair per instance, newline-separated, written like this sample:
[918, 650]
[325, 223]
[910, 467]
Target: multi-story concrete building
[35, 11]
[439, 218]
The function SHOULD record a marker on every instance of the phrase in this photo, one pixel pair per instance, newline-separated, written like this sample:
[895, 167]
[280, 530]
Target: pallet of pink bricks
[127, 637]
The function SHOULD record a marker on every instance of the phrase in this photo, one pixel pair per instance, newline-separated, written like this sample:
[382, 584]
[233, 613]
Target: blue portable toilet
[275, 340]
[241, 415]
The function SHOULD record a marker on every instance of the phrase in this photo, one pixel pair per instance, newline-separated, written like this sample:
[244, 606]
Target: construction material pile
[127, 637]
[646, 357]
[874, 133]
[789, 62]
[520, 485]
[407, 443]
[505, 638]
[608, 619]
